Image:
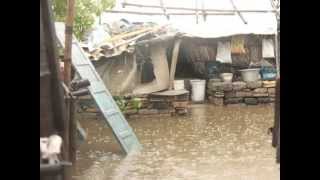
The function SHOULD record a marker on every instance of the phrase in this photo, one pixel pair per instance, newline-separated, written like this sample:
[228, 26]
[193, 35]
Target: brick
[233, 100]
[254, 84]
[269, 84]
[219, 94]
[215, 86]
[271, 90]
[251, 101]
[230, 94]
[272, 99]
[272, 95]
[263, 100]
[260, 90]
[238, 85]
[220, 86]
[243, 94]
[260, 94]
[227, 86]
[209, 92]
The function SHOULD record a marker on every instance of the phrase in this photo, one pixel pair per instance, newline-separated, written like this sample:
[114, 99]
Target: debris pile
[113, 39]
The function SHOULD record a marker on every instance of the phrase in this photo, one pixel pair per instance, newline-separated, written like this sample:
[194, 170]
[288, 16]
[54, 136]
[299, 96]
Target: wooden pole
[174, 60]
[68, 42]
[67, 74]
[277, 50]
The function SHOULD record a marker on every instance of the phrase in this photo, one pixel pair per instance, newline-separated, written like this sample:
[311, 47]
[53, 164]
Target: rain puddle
[224, 143]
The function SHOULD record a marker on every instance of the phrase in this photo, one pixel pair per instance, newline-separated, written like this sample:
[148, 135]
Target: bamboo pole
[193, 9]
[238, 12]
[170, 14]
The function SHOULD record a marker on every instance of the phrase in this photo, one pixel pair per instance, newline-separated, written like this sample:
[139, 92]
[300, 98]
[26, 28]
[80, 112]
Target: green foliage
[136, 102]
[85, 13]
[123, 103]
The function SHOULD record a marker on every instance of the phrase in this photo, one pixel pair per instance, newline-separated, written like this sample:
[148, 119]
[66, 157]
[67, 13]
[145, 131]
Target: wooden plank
[171, 93]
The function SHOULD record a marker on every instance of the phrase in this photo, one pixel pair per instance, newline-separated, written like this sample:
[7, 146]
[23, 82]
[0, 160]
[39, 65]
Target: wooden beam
[169, 14]
[193, 9]
[174, 60]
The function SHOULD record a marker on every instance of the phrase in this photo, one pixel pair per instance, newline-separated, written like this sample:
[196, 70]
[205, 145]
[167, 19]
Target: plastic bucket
[198, 90]
[178, 84]
[226, 77]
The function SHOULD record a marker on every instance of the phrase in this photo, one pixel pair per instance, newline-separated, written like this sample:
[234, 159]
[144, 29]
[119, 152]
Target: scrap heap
[113, 39]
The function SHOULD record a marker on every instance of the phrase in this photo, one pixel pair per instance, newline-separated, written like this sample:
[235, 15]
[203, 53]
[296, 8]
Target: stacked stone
[250, 93]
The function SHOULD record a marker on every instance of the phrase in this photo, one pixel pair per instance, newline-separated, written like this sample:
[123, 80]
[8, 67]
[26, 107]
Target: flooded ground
[223, 143]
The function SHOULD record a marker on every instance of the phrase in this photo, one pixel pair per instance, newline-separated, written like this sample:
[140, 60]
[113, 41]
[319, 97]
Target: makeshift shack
[134, 45]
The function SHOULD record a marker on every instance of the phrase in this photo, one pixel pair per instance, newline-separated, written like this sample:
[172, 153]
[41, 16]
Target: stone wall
[250, 93]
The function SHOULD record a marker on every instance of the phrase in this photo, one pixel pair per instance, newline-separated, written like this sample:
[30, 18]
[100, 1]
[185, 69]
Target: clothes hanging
[267, 48]
[224, 52]
[237, 45]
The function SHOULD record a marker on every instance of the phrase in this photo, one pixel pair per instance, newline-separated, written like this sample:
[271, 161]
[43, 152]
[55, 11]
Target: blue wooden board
[104, 100]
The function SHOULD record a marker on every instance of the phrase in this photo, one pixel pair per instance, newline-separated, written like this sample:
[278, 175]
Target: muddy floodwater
[220, 143]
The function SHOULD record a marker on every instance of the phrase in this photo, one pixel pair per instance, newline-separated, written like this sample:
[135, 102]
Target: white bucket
[198, 90]
[249, 75]
[178, 84]
[226, 77]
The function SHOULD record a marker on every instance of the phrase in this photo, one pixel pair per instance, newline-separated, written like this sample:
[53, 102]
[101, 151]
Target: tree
[85, 13]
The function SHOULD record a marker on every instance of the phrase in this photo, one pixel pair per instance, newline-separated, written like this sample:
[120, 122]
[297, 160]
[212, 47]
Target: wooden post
[68, 42]
[67, 74]
[174, 60]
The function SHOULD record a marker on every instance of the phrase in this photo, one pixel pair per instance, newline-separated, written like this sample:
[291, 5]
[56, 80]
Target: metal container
[249, 75]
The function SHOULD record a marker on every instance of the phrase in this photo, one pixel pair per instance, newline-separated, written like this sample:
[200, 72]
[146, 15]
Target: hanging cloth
[237, 45]
[224, 52]
[267, 48]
